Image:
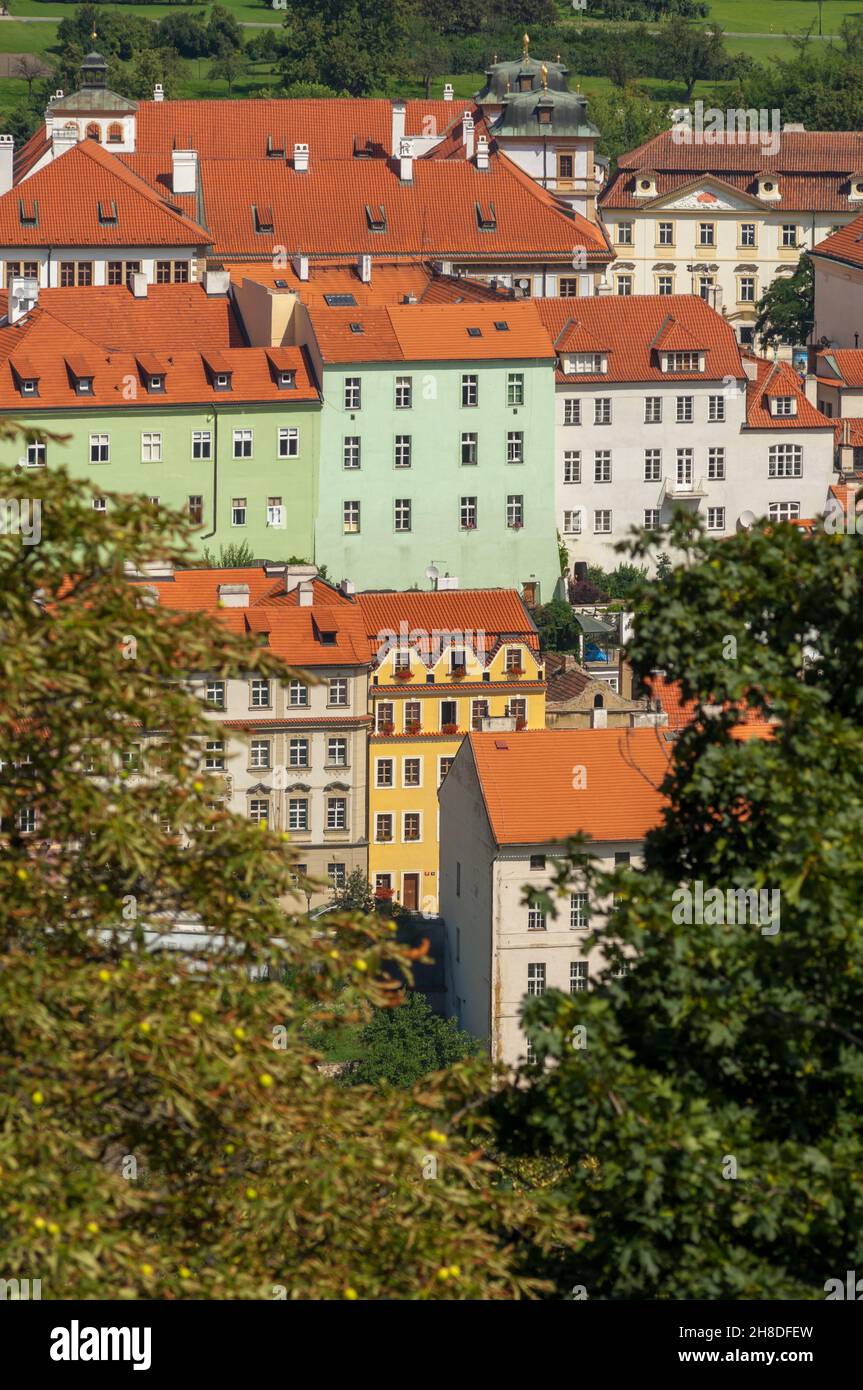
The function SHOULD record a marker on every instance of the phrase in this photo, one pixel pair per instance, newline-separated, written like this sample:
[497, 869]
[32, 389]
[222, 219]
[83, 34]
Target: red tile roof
[67, 194]
[780, 379]
[849, 432]
[171, 316]
[813, 168]
[527, 783]
[846, 245]
[849, 364]
[483, 614]
[626, 327]
[441, 332]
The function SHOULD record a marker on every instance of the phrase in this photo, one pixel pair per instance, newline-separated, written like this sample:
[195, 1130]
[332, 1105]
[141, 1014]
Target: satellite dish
[432, 574]
[746, 521]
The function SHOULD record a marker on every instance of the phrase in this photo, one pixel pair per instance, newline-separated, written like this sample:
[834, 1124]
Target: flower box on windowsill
[458, 673]
[413, 728]
[385, 894]
[405, 674]
[516, 525]
[521, 722]
[388, 728]
[449, 729]
[515, 671]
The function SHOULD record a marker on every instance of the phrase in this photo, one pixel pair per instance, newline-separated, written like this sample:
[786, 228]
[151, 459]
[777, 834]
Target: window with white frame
[469, 389]
[587, 364]
[352, 393]
[238, 511]
[275, 512]
[467, 513]
[746, 290]
[402, 513]
[715, 409]
[151, 447]
[202, 444]
[469, 449]
[579, 911]
[479, 710]
[578, 976]
[214, 755]
[572, 410]
[651, 519]
[785, 461]
[384, 828]
[515, 446]
[665, 233]
[789, 233]
[259, 693]
[298, 752]
[706, 234]
[351, 518]
[298, 813]
[684, 410]
[602, 466]
[716, 518]
[747, 234]
[515, 511]
[337, 752]
[716, 464]
[338, 691]
[665, 284]
[535, 919]
[351, 451]
[216, 694]
[685, 464]
[242, 444]
[411, 827]
[100, 448]
[298, 693]
[572, 522]
[624, 284]
[572, 466]
[337, 874]
[289, 442]
[412, 772]
[100, 504]
[515, 388]
[784, 405]
[402, 457]
[784, 511]
[443, 767]
[681, 362]
[653, 410]
[384, 716]
[413, 715]
[624, 233]
[602, 410]
[652, 465]
[337, 813]
[536, 977]
[259, 811]
[259, 753]
[404, 392]
[37, 455]
[602, 522]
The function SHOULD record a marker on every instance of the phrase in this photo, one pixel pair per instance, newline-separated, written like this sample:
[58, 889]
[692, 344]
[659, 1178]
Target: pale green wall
[492, 555]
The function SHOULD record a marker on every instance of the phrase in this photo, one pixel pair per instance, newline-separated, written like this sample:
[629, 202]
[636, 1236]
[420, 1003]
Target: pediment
[707, 195]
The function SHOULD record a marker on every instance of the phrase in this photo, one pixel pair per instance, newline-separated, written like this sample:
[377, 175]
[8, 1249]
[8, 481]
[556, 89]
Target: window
[624, 284]
[651, 519]
[478, 712]
[572, 522]
[602, 523]
[515, 511]
[216, 694]
[602, 466]
[705, 287]
[121, 272]
[785, 461]
[448, 712]
[29, 269]
[411, 826]
[665, 284]
[384, 828]
[298, 694]
[100, 504]
[337, 813]
[443, 767]
[624, 233]
[467, 513]
[789, 234]
[151, 448]
[535, 919]
[747, 234]
[517, 708]
[351, 518]
[289, 442]
[298, 813]
[412, 772]
[515, 446]
[404, 392]
[338, 691]
[403, 451]
[337, 874]
[469, 445]
[201, 444]
[470, 390]
[260, 694]
[259, 752]
[298, 752]
[352, 393]
[572, 466]
[579, 912]
[784, 511]
[716, 518]
[515, 388]
[100, 448]
[652, 465]
[665, 235]
[413, 714]
[337, 752]
[259, 812]
[684, 410]
[577, 976]
[715, 409]
[275, 512]
[214, 755]
[652, 410]
[706, 234]
[402, 514]
[602, 410]
[536, 978]
[238, 511]
[37, 455]
[684, 467]
[784, 405]
[242, 444]
[567, 287]
[747, 289]
[715, 464]
[76, 273]
[572, 411]
[351, 454]
[682, 362]
[168, 272]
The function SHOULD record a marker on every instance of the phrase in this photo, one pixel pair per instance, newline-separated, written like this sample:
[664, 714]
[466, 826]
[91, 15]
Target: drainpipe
[215, 472]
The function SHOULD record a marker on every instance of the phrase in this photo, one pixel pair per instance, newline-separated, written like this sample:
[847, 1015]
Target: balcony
[688, 491]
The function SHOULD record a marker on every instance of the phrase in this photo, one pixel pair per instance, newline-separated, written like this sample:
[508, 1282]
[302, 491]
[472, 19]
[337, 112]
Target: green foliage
[557, 626]
[821, 85]
[786, 310]
[231, 557]
[356, 895]
[723, 1042]
[165, 1131]
[624, 582]
[343, 44]
[399, 1046]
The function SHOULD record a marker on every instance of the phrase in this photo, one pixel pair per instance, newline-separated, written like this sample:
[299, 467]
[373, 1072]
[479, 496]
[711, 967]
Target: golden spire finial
[94, 35]
[557, 59]
[494, 61]
[543, 72]
[526, 42]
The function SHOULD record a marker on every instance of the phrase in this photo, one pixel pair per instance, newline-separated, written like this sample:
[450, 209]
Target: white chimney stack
[467, 127]
[7, 155]
[306, 594]
[301, 158]
[406, 161]
[184, 172]
[300, 264]
[448, 91]
[217, 281]
[398, 129]
[158, 92]
[138, 284]
[234, 595]
[364, 266]
[296, 575]
[482, 153]
[23, 296]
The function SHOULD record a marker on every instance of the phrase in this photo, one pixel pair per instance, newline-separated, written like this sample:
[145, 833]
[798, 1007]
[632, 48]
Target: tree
[624, 582]
[709, 1115]
[227, 67]
[400, 1046]
[164, 1130]
[151, 65]
[355, 895]
[187, 33]
[625, 120]
[690, 54]
[557, 626]
[223, 32]
[786, 310]
[346, 46]
[29, 68]
[427, 52]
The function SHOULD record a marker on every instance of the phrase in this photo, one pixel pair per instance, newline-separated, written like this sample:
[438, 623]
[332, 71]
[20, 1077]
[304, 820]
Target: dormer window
[486, 217]
[274, 151]
[28, 212]
[287, 380]
[156, 383]
[783, 406]
[219, 371]
[683, 362]
[107, 214]
[544, 115]
[645, 184]
[84, 385]
[376, 221]
[856, 189]
[30, 386]
[767, 186]
[586, 364]
[222, 381]
[263, 219]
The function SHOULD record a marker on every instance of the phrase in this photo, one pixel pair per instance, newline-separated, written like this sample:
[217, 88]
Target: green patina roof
[503, 77]
[91, 99]
[520, 115]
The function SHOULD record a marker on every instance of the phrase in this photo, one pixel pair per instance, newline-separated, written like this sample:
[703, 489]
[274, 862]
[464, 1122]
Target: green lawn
[245, 12]
[781, 16]
[26, 38]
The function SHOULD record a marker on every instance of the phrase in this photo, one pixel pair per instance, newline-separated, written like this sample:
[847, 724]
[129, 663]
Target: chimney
[348, 587]
[138, 284]
[297, 574]
[158, 92]
[305, 593]
[482, 153]
[301, 158]
[217, 282]
[23, 296]
[300, 264]
[750, 367]
[364, 268]
[184, 175]
[467, 127]
[234, 595]
[599, 719]
[7, 154]
[398, 127]
[448, 91]
[810, 388]
[406, 161]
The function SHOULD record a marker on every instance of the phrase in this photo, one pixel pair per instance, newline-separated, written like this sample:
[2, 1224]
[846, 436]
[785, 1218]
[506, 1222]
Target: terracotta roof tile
[846, 245]
[420, 333]
[780, 379]
[487, 614]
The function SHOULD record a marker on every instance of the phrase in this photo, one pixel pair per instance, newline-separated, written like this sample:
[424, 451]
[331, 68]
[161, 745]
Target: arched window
[93, 131]
[598, 702]
[115, 133]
